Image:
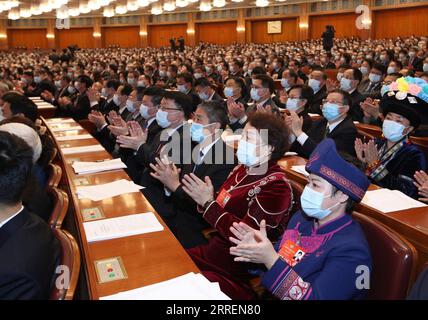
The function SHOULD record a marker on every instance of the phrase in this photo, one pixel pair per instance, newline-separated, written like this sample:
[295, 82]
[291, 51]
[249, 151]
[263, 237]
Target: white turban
[28, 134]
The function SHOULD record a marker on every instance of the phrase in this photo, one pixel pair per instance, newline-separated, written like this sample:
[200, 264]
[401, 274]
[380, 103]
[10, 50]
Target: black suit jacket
[29, 254]
[195, 98]
[344, 135]
[184, 220]
[355, 110]
[78, 109]
[315, 106]
[237, 125]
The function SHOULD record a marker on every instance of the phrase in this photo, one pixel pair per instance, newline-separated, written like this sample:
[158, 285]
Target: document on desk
[300, 169]
[74, 137]
[121, 227]
[59, 120]
[81, 167]
[190, 286]
[386, 200]
[108, 190]
[65, 127]
[85, 149]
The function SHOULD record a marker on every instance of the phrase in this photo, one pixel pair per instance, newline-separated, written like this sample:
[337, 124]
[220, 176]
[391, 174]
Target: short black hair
[306, 92]
[203, 82]
[293, 74]
[115, 84]
[240, 82]
[278, 134]
[127, 89]
[216, 112]
[182, 100]
[21, 104]
[258, 70]
[380, 67]
[346, 97]
[186, 76]
[16, 162]
[357, 74]
[267, 82]
[155, 93]
[86, 80]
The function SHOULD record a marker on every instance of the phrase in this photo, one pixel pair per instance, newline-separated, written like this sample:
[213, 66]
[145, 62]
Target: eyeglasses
[324, 101]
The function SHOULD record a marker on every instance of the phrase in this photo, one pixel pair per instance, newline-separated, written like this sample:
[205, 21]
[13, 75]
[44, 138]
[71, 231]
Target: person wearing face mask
[323, 245]
[236, 103]
[42, 84]
[62, 91]
[298, 101]
[365, 68]
[256, 190]
[373, 86]
[172, 72]
[391, 162]
[107, 102]
[335, 124]
[317, 81]
[132, 79]
[212, 159]
[415, 59]
[349, 83]
[78, 106]
[277, 68]
[261, 95]
[185, 85]
[236, 68]
[205, 91]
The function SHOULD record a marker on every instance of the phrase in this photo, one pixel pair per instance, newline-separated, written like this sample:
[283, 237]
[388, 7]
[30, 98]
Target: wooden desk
[412, 224]
[147, 258]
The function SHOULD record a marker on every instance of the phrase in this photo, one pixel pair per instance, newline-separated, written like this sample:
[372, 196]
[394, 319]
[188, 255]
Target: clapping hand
[421, 182]
[367, 152]
[252, 245]
[200, 191]
[166, 172]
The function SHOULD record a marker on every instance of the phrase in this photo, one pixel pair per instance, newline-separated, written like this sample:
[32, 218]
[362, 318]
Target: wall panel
[83, 37]
[288, 31]
[125, 37]
[30, 38]
[216, 32]
[344, 23]
[159, 35]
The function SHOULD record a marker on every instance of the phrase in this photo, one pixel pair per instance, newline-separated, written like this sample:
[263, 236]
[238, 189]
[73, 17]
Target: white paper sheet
[65, 128]
[74, 137]
[59, 121]
[386, 200]
[45, 106]
[190, 286]
[85, 149]
[290, 153]
[300, 169]
[35, 98]
[108, 190]
[120, 227]
[82, 167]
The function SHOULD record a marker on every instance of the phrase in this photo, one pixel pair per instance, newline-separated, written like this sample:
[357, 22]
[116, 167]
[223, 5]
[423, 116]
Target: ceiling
[25, 9]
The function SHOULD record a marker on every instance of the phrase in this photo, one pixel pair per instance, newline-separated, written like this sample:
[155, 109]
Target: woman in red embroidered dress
[256, 189]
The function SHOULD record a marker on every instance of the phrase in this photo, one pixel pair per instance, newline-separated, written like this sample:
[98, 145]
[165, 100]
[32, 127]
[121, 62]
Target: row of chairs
[70, 253]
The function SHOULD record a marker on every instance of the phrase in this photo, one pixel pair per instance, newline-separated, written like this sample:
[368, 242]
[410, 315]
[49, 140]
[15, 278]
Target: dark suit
[185, 221]
[41, 87]
[368, 89]
[36, 199]
[196, 100]
[29, 254]
[237, 125]
[105, 106]
[268, 102]
[354, 109]
[315, 106]
[216, 97]
[78, 109]
[134, 167]
[344, 135]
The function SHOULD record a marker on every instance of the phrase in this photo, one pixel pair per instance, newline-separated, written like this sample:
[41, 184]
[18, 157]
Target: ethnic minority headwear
[407, 97]
[326, 162]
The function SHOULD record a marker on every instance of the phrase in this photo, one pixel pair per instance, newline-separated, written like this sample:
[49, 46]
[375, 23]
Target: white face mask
[393, 131]
[162, 119]
[374, 78]
[246, 153]
[311, 202]
[116, 100]
[130, 105]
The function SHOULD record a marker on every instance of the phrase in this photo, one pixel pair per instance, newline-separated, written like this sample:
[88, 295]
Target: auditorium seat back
[394, 260]
[297, 189]
[70, 258]
[60, 207]
[54, 173]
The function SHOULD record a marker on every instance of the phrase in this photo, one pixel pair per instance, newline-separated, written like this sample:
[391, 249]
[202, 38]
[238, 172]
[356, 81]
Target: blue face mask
[181, 88]
[37, 79]
[130, 105]
[116, 100]
[255, 95]
[364, 70]
[393, 131]
[383, 90]
[71, 90]
[228, 92]
[203, 96]
[314, 84]
[246, 153]
[284, 83]
[345, 84]
[197, 132]
[144, 111]
[162, 119]
[330, 111]
[292, 104]
[311, 203]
